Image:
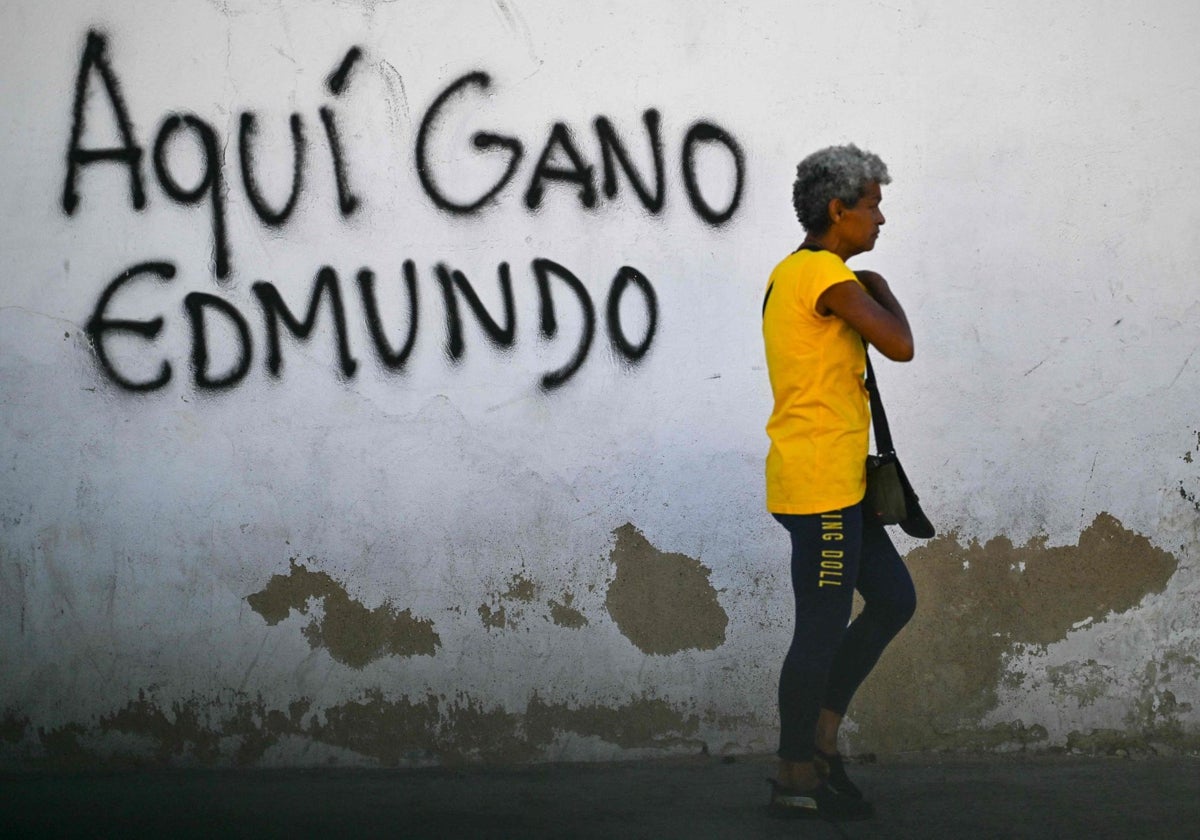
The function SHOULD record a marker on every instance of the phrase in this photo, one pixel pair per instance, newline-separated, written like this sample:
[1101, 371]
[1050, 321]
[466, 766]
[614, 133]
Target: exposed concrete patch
[662, 602]
[936, 682]
[564, 615]
[353, 634]
[400, 731]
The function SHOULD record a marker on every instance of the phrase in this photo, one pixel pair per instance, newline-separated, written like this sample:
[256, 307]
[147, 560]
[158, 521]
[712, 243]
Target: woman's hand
[872, 281]
[871, 309]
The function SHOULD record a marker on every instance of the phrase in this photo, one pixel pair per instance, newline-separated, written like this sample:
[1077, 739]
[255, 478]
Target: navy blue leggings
[832, 555]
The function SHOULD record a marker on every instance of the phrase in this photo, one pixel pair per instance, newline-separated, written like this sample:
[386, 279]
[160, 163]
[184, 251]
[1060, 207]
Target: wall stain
[1085, 682]
[13, 727]
[980, 603]
[186, 731]
[1153, 728]
[353, 634]
[644, 722]
[212, 731]
[662, 602]
[1190, 498]
[260, 728]
[62, 743]
[507, 608]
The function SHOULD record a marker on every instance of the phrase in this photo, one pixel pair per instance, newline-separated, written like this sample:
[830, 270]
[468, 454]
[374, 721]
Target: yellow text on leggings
[831, 569]
[832, 566]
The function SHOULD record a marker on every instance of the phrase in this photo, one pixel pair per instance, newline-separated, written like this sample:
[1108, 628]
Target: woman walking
[818, 315]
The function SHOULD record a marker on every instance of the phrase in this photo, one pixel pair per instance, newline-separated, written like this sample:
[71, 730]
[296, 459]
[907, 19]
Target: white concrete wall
[450, 562]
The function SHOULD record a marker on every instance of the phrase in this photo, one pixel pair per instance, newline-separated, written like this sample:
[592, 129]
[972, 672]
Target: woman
[817, 314]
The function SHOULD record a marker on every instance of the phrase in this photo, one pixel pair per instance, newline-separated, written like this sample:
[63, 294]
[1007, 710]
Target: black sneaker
[833, 772]
[820, 803]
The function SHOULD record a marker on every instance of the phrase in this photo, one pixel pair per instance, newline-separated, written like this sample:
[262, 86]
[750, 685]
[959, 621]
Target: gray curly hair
[835, 172]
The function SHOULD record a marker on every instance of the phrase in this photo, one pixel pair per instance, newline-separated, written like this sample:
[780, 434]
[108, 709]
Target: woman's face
[858, 226]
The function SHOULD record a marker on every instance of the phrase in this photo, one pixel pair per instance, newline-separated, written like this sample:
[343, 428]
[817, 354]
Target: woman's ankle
[798, 775]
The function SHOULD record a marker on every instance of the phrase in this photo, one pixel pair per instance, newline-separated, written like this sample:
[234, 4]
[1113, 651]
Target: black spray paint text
[561, 164]
[457, 293]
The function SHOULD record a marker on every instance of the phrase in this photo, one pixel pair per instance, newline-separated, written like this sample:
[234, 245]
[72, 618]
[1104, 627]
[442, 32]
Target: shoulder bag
[890, 498]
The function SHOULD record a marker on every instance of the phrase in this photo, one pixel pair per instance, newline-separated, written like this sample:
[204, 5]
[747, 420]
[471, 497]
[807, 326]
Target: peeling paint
[507, 608]
[662, 602]
[492, 619]
[353, 634]
[938, 680]
[564, 615]
[521, 588]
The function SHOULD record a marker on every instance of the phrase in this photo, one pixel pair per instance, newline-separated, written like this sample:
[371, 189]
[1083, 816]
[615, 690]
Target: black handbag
[890, 498]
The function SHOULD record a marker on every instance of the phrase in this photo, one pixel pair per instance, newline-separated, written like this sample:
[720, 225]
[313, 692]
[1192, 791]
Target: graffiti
[338, 78]
[347, 200]
[392, 360]
[613, 151]
[274, 311]
[543, 270]
[500, 335]
[576, 172]
[274, 218]
[210, 188]
[95, 59]
[100, 325]
[616, 333]
[709, 133]
[210, 180]
[197, 305]
[202, 309]
[563, 164]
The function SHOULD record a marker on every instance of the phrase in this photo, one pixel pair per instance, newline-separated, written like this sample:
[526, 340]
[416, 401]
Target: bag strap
[883, 434]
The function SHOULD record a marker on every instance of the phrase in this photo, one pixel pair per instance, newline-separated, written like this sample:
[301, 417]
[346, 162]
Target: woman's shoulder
[810, 265]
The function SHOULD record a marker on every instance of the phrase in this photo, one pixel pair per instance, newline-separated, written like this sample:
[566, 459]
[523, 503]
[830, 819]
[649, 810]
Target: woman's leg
[889, 601]
[825, 566]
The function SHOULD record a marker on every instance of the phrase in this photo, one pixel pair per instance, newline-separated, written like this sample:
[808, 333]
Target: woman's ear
[837, 209]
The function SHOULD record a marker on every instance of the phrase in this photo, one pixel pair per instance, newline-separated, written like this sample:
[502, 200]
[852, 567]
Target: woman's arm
[875, 314]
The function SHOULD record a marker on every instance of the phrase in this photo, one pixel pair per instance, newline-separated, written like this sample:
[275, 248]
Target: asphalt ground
[915, 797]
